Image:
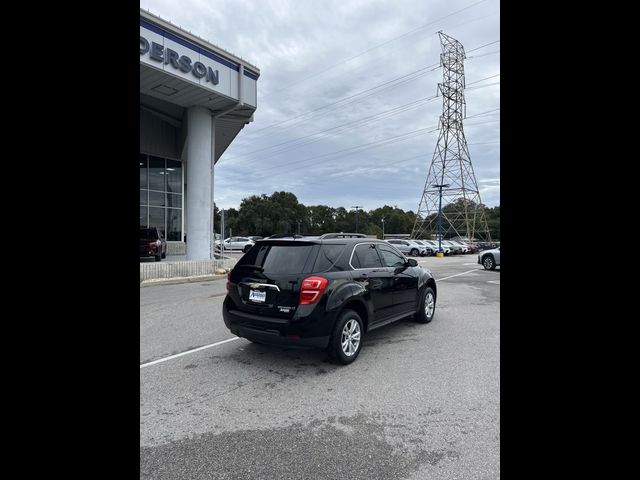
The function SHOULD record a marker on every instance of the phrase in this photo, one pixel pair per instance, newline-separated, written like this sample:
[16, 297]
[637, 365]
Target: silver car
[409, 247]
[490, 259]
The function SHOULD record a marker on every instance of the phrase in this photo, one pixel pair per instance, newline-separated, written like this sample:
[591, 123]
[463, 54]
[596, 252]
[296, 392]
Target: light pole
[357, 207]
[382, 228]
[440, 187]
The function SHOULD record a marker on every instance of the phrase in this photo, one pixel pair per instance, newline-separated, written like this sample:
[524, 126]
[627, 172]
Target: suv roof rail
[286, 235]
[342, 235]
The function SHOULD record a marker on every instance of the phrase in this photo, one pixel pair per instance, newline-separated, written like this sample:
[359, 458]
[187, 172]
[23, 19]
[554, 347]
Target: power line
[402, 80]
[372, 48]
[482, 46]
[358, 123]
[483, 55]
[483, 79]
[355, 149]
[436, 65]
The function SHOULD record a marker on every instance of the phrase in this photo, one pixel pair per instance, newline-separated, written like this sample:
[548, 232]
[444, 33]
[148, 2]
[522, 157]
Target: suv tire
[348, 331]
[427, 306]
[414, 252]
[488, 262]
[158, 257]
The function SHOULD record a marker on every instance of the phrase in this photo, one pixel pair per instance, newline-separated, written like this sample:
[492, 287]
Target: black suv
[325, 293]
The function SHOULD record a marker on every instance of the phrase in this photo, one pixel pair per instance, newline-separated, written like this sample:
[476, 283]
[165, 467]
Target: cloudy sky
[345, 110]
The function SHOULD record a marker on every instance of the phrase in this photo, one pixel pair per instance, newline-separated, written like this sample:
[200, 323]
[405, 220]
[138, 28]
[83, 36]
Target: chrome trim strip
[258, 285]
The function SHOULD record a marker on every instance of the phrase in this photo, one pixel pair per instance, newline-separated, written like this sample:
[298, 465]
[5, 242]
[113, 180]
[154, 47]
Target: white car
[236, 243]
[465, 248]
[408, 247]
[434, 244]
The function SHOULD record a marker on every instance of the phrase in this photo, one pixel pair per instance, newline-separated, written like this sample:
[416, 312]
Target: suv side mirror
[412, 262]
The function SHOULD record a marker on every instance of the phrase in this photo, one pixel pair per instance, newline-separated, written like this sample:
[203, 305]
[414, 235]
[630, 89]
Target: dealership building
[194, 99]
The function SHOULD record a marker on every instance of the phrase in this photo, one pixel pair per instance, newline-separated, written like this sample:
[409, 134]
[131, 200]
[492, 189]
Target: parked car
[326, 293]
[434, 244]
[490, 259]
[455, 249]
[473, 248]
[408, 247]
[429, 249]
[152, 243]
[462, 245]
[236, 243]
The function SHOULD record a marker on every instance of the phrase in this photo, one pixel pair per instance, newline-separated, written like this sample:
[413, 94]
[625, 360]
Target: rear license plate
[257, 296]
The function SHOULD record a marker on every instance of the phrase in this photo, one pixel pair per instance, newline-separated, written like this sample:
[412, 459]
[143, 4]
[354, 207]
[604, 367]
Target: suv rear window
[277, 258]
[148, 233]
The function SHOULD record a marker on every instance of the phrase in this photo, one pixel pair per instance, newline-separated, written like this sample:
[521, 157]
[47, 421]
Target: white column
[199, 181]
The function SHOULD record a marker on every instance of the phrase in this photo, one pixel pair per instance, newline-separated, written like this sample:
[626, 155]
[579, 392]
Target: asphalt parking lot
[420, 402]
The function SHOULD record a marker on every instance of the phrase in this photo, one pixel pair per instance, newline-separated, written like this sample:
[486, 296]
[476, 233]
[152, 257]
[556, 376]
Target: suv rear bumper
[311, 331]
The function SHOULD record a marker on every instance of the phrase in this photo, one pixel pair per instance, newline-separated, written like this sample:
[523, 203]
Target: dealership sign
[180, 57]
[185, 64]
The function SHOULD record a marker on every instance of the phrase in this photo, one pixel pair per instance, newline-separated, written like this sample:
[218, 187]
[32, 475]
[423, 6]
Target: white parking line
[497, 282]
[187, 352]
[458, 274]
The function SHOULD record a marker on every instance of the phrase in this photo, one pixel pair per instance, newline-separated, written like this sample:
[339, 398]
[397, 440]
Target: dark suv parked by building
[325, 293]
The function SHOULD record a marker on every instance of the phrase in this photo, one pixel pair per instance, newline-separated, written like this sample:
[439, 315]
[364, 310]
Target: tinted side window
[390, 258]
[328, 256]
[366, 256]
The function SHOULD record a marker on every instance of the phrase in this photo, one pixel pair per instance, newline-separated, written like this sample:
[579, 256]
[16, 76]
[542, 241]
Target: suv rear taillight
[312, 289]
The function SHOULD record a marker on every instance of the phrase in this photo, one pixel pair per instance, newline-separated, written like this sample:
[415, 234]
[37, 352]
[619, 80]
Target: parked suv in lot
[490, 259]
[326, 293]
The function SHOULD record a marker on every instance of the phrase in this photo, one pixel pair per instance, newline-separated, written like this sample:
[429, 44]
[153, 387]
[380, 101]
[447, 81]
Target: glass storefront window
[157, 174]
[156, 198]
[174, 176]
[143, 171]
[174, 224]
[161, 189]
[143, 217]
[156, 218]
[174, 201]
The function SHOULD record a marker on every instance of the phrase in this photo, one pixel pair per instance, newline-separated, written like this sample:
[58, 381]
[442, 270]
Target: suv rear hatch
[266, 280]
[147, 236]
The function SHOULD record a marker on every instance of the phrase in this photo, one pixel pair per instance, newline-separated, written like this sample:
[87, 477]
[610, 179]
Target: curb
[177, 280]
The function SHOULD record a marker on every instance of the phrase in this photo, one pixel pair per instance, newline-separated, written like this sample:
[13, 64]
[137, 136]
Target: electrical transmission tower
[451, 181]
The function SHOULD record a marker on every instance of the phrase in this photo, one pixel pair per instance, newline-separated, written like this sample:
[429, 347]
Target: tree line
[281, 212]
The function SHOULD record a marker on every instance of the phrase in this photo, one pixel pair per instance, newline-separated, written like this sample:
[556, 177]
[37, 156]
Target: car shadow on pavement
[303, 360]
